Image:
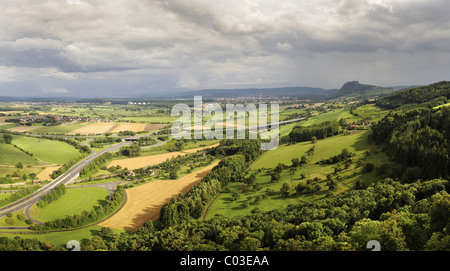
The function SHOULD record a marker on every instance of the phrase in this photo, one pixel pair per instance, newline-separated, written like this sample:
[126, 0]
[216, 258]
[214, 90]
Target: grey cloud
[202, 43]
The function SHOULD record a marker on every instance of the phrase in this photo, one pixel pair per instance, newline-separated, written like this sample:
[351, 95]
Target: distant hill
[297, 92]
[352, 89]
[358, 90]
[435, 94]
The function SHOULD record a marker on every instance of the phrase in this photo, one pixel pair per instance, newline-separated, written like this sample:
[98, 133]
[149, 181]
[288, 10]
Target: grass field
[334, 115]
[50, 151]
[16, 221]
[11, 156]
[324, 149]
[273, 199]
[5, 170]
[73, 202]
[59, 129]
[371, 112]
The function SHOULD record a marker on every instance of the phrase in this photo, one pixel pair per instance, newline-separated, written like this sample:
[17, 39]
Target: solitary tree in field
[285, 189]
[8, 138]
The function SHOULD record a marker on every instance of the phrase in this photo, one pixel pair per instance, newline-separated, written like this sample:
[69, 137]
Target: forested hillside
[418, 140]
[434, 94]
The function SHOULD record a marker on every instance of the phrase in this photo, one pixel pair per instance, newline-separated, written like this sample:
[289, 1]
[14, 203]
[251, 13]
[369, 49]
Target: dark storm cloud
[167, 44]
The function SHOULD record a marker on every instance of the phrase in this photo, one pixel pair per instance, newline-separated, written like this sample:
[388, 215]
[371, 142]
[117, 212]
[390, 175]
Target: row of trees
[96, 164]
[317, 131]
[66, 167]
[55, 194]
[21, 193]
[193, 203]
[131, 151]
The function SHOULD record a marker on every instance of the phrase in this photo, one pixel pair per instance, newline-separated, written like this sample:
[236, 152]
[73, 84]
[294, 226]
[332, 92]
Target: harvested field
[151, 160]
[46, 174]
[145, 161]
[137, 127]
[154, 127]
[145, 202]
[199, 149]
[108, 127]
[94, 128]
[22, 129]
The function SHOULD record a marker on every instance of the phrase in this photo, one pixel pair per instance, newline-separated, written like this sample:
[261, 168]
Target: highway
[65, 178]
[74, 172]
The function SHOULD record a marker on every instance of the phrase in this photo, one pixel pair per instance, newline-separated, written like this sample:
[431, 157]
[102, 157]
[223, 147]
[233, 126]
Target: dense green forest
[434, 94]
[418, 140]
[318, 131]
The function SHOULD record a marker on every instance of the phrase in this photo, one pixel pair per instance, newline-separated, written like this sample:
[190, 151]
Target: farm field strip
[50, 151]
[144, 202]
[46, 174]
[109, 127]
[93, 128]
[22, 129]
[151, 160]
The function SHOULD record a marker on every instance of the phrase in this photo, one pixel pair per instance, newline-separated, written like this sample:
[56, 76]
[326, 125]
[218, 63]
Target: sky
[124, 48]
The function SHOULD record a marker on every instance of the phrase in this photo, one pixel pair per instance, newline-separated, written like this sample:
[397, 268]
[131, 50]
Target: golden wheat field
[94, 128]
[137, 127]
[46, 174]
[151, 160]
[109, 127]
[144, 161]
[144, 202]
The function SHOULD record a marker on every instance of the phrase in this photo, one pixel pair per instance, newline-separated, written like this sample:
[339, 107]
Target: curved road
[65, 178]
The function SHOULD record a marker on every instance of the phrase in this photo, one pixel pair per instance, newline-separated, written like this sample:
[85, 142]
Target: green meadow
[333, 115]
[59, 129]
[75, 201]
[10, 155]
[371, 112]
[325, 148]
[17, 219]
[50, 151]
[267, 196]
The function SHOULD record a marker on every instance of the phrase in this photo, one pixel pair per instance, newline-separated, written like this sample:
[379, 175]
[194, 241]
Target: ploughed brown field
[144, 202]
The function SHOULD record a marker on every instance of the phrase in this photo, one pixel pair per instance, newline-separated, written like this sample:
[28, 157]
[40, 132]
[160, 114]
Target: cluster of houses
[76, 118]
[54, 119]
[138, 103]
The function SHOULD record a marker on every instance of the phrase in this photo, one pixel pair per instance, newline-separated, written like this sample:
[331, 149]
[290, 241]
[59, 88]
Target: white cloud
[284, 46]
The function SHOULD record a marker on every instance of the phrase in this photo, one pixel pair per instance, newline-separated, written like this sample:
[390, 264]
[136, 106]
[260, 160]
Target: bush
[368, 167]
